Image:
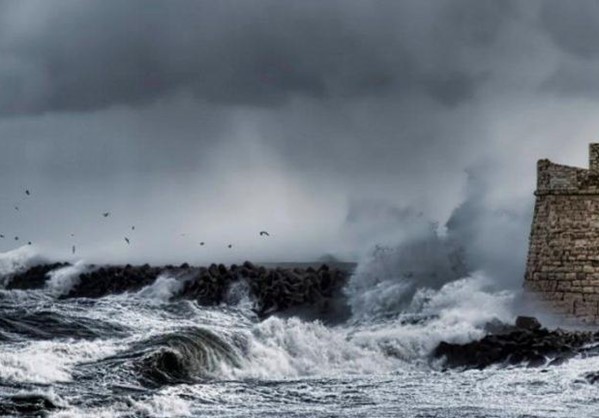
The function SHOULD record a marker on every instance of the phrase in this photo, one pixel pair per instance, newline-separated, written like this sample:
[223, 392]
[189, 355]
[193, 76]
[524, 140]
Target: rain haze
[333, 125]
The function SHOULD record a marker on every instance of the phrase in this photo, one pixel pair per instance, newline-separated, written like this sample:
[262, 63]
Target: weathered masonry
[563, 257]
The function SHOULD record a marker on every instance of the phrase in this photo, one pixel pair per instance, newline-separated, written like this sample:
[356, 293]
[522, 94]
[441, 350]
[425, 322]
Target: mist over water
[399, 136]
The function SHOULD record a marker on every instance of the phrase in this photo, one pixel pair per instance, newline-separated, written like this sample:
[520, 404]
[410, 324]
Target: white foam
[162, 405]
[282, 348]
[50, 361]
[18, 260]
[279, 348]
[159, 405]
[238, 295]
[62, 280]
[162, 290]
[456, 313]
[385, 281]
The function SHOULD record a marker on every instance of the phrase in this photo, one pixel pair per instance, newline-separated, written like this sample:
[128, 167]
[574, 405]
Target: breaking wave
[146, 339]
[18, 260]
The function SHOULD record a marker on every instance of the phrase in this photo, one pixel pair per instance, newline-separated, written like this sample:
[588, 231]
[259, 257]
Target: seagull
[106, 214]
[264, 233]
[133, 228]
[127, 239]
[16, 238]
[27, 192]
[72, 235]
[1, 236]
[16, 208]
[73, 249]
[230, 245]
[29, 243]
[202, 243]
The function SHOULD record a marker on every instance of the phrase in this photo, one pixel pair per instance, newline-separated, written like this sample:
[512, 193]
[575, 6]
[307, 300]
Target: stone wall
[563, 258]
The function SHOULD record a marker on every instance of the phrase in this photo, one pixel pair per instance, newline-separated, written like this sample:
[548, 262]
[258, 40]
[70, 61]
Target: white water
[288, 366]
[162, 290]
[18, 260]
[62, 280]
[49, 361]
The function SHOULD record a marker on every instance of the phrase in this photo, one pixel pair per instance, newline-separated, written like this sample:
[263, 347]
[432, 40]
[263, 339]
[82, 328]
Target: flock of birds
[127, 240]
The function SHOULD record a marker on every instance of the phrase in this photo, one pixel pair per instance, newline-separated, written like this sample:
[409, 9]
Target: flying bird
[133, 228]
[1, 236]
[202, 243]
[27, 192]
[28, 242]
[264, 233]
[73, 249]
[230, 245]
[16, 238]
[16, 208]
[106, 214]
[127, 239]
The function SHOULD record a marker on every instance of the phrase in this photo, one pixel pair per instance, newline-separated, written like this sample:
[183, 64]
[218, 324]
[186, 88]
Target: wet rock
[526, 344]
[32, 278]
[528, 322]
[248, 265]
[113, 280]
[299, 290]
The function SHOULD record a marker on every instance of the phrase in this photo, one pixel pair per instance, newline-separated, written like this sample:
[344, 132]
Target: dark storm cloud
[574, 79]
[573, 25]
[221, 118]
[80, 56]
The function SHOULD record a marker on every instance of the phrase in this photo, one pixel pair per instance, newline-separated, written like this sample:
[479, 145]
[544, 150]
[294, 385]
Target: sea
[150, 354]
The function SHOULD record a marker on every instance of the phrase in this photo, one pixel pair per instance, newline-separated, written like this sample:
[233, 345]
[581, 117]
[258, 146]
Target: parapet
[564, 180]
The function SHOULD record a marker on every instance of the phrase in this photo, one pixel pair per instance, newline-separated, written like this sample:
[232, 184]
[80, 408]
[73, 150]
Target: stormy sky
[330, 124]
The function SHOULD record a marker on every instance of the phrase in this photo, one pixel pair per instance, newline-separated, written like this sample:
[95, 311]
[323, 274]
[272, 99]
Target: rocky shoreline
[316, 290]
[317, 293]
[524, 343]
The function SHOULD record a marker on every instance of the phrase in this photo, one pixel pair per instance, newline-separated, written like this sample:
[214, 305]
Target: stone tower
[563, 257]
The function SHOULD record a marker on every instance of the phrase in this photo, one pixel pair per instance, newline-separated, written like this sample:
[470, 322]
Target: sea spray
[164, 288]
[17, 260]
[62, 280]
[387, 279]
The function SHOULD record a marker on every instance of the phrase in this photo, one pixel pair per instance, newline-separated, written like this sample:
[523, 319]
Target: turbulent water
[148, 354]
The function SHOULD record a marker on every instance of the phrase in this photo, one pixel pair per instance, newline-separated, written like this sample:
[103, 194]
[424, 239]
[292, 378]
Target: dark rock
[32, 278]
[527, 344]
[528, 322]
[299, 291]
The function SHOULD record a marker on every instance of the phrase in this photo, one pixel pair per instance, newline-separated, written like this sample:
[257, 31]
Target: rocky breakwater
[524, 343]
[316, 291]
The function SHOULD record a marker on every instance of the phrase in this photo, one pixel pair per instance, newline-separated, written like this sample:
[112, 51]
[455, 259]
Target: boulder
[528, 322]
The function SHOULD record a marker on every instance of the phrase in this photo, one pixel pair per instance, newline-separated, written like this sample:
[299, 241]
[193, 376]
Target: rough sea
[147, 354]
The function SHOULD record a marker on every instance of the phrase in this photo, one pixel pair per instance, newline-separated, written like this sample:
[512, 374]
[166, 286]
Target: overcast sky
[322, 122]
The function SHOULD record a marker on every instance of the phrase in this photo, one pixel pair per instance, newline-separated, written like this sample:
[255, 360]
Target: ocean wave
[50, 361]
[164, 288]
[62, 280]
[18, 260]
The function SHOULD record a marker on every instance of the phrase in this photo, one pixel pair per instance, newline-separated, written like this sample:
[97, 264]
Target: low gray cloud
[573, 26]
[218, 119]
[82, 56]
